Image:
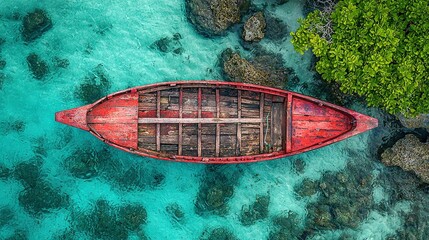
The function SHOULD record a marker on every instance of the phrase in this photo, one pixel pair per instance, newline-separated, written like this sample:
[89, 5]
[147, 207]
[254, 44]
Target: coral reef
[264, 68]
[214, 17]
[94, 86]
[287, 225]
[28, 172]
[6, 215]
[345, 199]
[35, 24]
[42, 198]
[169, 44]
[86, 163]
[409, 154]
[254, 28]
[108, 222]
[37, 66]
[175, 211]
[257, 211]
[216, 188]
[132, 216]
[218, 234]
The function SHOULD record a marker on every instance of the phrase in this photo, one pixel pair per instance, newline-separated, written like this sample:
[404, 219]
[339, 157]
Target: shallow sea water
[115, 38]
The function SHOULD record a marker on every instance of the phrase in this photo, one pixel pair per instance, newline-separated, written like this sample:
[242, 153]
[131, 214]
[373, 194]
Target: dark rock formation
[276, 29]
[254, 28]
[37, 66]
[257, 211]
[409, 154]
[213, 17]
[60, 62]
[35, 24]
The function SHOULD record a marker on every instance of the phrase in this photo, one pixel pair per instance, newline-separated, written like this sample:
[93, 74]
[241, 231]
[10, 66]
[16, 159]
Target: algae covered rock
[254, 28]
[263, 69]
[213, 17]
[35, 24]
[420, 121]
[409, 154]
[37, 66]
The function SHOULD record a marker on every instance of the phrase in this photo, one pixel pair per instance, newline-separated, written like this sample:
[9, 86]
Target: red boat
[215, 122]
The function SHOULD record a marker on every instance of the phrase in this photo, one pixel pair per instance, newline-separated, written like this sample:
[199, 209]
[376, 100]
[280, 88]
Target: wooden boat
[215, 122]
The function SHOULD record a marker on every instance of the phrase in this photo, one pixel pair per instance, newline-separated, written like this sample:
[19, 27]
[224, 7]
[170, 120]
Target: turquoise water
[58, 182]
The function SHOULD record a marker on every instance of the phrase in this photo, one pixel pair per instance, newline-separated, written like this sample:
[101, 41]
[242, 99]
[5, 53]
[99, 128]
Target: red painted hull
[215, 122]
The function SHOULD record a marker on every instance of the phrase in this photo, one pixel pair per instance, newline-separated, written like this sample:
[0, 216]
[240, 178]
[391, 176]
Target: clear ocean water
[58, 182]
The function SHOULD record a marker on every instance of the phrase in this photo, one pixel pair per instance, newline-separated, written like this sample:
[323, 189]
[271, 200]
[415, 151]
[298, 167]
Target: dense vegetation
[378, 49]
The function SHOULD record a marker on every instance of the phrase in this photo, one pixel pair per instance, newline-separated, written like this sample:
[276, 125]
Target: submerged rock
[35, 24]
[276, 29]
[213, 17]
[409, 154]
[218, 234]
[169, 44]
[257, 211]
[2, 64]
[175, 211]
[254, 28]
[4, 172]
[37, 66]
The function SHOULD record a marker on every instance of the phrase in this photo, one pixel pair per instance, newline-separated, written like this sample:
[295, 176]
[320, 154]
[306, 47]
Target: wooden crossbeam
[180, 145]
[158, 126]
[217, 125]
[199, 124]
[238, 146]
[288, 142]
[199, 120]
[261, 125]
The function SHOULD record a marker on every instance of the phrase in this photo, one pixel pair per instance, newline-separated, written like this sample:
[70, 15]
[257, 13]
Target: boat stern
[75, 117]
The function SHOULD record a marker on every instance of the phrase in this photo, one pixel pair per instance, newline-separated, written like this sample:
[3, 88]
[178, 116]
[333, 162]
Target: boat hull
[215, 122]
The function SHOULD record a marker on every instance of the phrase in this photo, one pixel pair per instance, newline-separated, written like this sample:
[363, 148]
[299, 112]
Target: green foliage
[378, 49]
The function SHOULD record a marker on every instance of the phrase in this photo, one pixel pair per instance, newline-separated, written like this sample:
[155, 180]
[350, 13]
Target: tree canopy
[378, 49]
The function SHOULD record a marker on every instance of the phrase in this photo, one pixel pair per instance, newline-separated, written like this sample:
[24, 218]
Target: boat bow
[75, 117]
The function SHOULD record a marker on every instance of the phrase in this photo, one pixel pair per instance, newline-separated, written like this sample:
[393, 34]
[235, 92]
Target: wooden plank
[202, 120]
[238, 147]
[199, 124]
[180, 138]
[277, 125]
[158, 126]
[217, 125]
[261, 125]
[289, 124]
